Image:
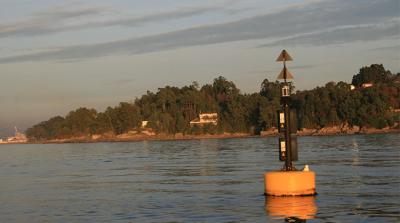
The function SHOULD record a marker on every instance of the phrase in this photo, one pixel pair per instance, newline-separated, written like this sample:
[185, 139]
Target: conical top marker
[284, 56]
[285, 74]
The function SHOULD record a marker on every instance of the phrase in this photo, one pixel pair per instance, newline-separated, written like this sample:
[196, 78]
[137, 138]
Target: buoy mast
[286, 142]
[288, 181]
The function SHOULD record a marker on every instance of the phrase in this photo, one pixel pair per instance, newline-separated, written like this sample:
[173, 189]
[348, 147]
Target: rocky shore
[335, 130]
[129, 137]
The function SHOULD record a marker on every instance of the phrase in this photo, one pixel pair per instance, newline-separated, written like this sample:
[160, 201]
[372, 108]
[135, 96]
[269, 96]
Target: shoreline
[330, 131]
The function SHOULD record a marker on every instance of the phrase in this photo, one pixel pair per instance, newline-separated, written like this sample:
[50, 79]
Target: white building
[367, 85]
[205, 118]
[144, 124]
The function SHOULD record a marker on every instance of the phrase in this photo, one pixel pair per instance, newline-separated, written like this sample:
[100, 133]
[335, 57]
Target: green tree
[375, 73]
[81, 121]
[170, 109]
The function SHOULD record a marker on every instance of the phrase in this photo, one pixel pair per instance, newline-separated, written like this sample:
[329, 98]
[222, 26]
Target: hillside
[371, 104]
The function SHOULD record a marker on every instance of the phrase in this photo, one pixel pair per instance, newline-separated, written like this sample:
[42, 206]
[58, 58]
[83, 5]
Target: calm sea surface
[358, 180]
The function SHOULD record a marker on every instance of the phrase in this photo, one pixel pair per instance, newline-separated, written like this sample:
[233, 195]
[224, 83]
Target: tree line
[170, 109]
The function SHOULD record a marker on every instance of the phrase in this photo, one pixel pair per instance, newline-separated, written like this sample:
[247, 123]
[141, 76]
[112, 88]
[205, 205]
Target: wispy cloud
[305, 67]
[395, 48]
[341, 35]
[324, 22]
[161, 16]
[120, 82]
[47, 21]
[61, 19]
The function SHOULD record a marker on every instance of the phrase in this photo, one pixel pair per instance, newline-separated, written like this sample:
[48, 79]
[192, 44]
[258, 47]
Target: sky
[59, 55]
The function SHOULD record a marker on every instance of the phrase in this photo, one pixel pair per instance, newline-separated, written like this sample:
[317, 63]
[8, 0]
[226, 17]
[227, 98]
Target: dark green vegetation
[170, 109]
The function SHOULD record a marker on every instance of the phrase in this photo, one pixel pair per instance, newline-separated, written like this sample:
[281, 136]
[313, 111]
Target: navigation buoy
[289, 181]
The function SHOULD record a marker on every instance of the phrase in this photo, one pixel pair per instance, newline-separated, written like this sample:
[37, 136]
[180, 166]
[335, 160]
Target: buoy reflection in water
[292, 209]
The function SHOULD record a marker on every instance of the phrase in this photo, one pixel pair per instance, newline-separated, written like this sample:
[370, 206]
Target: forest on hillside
[170, 109]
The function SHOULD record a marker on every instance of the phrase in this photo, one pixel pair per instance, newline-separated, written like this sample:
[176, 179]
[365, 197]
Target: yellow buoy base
[289, 183]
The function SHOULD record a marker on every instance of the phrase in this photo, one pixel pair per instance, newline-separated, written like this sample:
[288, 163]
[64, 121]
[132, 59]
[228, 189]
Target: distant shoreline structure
[17, 138]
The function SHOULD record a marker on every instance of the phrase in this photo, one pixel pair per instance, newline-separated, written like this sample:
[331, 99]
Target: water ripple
[358, 180]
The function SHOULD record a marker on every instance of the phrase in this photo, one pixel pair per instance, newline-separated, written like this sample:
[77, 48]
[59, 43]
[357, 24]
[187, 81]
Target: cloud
[161, 16]
[47, 21]
[120, 82]
[65, 12]
[61, 19]
[346, 21]
[342, 35]
[395, 48]
[304, 67]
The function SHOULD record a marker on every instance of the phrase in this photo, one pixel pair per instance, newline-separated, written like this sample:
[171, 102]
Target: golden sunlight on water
[291, 207]
[198, 181]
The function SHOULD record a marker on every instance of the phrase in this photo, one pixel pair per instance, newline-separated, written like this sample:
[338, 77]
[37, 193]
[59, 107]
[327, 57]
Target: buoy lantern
[289, 181]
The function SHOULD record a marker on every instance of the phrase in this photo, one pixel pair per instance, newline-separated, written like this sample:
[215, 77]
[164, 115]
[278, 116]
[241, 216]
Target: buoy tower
[288, 181]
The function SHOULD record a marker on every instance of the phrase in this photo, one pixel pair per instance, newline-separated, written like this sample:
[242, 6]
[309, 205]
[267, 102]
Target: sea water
[215, 180]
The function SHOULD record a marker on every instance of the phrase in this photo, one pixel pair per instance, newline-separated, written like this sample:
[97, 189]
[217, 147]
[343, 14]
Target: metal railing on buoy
[289, 181]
